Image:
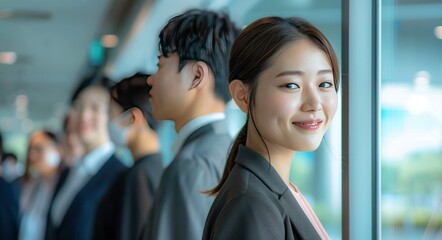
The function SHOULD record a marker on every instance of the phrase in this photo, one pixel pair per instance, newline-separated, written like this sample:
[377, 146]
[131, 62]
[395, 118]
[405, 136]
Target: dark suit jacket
[8, 211]
[255, 203]
[78, 222]
[180, 208]
[123, 212]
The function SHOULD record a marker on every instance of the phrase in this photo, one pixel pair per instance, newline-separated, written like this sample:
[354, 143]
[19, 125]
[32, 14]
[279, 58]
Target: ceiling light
[109, 41]
[27, 125]
[24, 14]
[5, 13]
[422, 78]
[21, 102]
[8, 57]
[438, 32]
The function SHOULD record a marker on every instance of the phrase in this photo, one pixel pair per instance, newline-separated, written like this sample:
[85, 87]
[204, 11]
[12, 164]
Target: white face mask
[52, 158]
[9, 170]
[119, 134]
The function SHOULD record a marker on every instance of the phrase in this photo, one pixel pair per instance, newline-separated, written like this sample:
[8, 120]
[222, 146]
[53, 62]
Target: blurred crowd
[79, 166]
[74, 184]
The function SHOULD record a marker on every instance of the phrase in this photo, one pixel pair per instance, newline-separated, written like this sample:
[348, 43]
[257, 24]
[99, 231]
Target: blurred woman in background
[38, 183]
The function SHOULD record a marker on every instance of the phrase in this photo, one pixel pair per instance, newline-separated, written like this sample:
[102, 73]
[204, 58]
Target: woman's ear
[240, 94]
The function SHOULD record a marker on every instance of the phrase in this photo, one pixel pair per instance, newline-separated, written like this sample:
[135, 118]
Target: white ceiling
[51, 39]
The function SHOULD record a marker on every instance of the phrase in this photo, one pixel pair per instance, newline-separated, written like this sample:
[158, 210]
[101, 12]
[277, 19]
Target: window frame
[360, 119]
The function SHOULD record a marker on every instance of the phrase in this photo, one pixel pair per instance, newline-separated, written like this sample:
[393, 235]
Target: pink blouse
[308, 211]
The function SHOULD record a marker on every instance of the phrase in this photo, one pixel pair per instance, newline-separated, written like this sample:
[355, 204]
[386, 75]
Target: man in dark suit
[8, 204]
[190, 88]
[8, 211]
[124, 210]
[79, 190]
[1, 146]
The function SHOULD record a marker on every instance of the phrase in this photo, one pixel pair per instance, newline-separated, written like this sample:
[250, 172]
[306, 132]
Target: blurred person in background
[73, 150]
[38, 183]
[81, 187]
[190, 88]
[1, 145]
[11, 169]
[8, 206]
[124, 210]
[1, 153]
[8, 211]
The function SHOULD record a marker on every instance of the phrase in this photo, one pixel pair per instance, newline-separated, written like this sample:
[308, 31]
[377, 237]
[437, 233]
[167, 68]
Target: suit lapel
[91, 185]
[261, 168]
[60, 182]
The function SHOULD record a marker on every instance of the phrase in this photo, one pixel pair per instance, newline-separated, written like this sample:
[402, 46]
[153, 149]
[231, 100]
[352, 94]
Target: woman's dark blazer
[255, 203]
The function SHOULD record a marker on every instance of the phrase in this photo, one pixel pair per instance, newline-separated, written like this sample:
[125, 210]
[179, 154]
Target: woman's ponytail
[240, 140]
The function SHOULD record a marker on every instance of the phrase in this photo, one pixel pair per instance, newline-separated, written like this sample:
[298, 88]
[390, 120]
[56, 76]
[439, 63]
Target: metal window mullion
[360, 68]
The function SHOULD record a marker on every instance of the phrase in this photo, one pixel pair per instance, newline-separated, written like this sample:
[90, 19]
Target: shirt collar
[261, 168]
[191, 127]
[93, 161]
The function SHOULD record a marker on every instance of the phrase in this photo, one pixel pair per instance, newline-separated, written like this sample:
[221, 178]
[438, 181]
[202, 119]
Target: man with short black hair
[190, 88]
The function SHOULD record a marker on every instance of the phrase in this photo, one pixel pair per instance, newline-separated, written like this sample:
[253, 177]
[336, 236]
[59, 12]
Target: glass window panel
[411, 120]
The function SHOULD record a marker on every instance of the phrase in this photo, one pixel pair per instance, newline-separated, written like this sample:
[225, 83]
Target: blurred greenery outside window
[411, 120]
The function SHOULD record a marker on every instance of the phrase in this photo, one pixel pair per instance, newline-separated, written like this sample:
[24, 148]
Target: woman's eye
[291, 86]
[326, 85]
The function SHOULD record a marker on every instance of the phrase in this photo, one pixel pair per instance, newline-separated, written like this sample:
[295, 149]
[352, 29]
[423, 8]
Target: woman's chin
[306, 147]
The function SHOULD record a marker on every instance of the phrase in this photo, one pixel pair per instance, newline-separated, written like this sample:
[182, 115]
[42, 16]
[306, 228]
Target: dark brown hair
[253, 52]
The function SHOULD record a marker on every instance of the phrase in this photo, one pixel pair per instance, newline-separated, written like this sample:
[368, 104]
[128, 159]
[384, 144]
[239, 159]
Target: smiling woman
[294, 109]
[284, 74]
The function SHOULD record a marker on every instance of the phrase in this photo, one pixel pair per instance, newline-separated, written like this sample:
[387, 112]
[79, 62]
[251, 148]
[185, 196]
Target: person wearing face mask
[11, 168]
[81, 187]
[124, 210]
[38, 183]
[8, 206]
